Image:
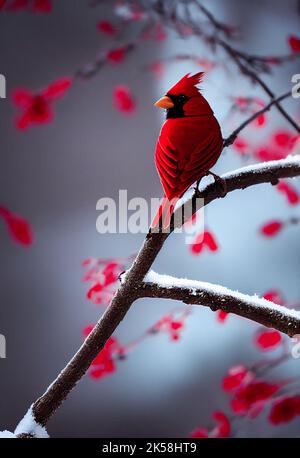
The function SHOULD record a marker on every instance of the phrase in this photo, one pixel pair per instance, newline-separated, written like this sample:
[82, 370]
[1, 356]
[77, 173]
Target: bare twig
[228, 141]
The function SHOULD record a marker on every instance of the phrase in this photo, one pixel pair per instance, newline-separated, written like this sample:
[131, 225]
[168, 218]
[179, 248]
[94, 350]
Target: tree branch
[220, 298]
[228, 141]
[130, 289]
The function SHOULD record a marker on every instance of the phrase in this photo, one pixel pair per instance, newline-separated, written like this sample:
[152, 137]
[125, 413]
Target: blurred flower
[285, 410]
[268, 340]
[255, 392]
[123, 99]
[275, 296]
[202, 241]
[36, 6]
[235, 377]
[37, 108]
[117, 55]
[294, 43]
[271, 228]
[18, 228]
[288, 191]
[107, 28]
[222, 316]
[221, 430]
[104, 363]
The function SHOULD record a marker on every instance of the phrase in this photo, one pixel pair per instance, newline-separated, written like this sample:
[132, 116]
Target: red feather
[188, 146]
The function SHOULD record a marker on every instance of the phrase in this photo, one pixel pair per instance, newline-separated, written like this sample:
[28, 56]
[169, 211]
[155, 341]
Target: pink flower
[117, 55]
[268, 340]
[285, 410]
[255, 392]
[271, 228]
[104, 363]
[202, 241]
[241, 145]
[37, 108]
[107, 28]
[123, 100]
[294, 43]
[18, 228]
[235, 377]
[221, 430]
[274, 295]
[222, 316]
[288, 191]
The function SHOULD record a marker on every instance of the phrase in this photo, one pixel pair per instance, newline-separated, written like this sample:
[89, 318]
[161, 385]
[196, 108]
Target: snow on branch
[263, 172]
[218, 297]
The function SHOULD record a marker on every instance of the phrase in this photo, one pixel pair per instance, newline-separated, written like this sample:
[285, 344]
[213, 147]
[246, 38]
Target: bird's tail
[164, 213]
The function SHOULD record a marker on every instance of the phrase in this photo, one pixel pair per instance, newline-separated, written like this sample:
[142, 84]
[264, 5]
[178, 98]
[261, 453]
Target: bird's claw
[219, 180]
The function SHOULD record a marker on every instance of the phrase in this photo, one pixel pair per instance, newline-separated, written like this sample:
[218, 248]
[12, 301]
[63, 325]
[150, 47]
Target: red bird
[189, 144]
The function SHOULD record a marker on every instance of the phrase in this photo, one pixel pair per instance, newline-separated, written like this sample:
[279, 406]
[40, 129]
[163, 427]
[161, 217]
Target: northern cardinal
[189, 144]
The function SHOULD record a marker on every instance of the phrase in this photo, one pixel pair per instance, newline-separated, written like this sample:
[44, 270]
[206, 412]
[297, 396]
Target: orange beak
[165, 102]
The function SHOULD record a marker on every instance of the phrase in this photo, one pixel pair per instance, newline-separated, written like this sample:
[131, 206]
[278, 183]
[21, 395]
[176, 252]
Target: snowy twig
[264, 172]
[218, 297]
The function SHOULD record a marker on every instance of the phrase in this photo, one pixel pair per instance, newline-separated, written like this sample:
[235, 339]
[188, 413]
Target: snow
[290, 160]
[7, 435]
[196, 287]
[28, 425]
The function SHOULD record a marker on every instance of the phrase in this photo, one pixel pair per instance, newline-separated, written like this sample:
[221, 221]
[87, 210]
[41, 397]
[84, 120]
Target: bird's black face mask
[176, 111]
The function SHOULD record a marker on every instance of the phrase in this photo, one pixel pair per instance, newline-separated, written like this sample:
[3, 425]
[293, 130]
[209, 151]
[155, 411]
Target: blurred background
[54, 174]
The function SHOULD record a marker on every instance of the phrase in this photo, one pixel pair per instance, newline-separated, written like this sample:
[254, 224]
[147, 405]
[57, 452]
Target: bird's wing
[180, 160]
[202, 159]
[166, 161]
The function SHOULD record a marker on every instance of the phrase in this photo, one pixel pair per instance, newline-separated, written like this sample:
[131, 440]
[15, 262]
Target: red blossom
[255, 392]
[268, 340]
[294, 43]
[274, 295]
[42, 6]
[107, 28]
[37, 108]
[289, 192]
[221, 430]
[235, 377]
[104, 362]
[199, 433]
[104, 275]
[116, 55]
[222, 316]
[271, 228]
[204, 240]
[284, 410]
[260, 120]
[18, 228]
[158, 69]
[123, 99]
[241, 145]
[267, 153]
[159, 32]
[171, 325]
[36, 6]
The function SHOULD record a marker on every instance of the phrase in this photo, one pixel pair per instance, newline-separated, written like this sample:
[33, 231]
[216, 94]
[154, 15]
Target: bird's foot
[221, 182]
[196, 189]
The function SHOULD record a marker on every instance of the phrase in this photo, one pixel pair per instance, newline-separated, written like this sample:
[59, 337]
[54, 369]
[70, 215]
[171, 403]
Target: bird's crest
[187, 85]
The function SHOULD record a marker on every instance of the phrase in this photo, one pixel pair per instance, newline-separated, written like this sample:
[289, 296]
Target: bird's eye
[182, 98]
